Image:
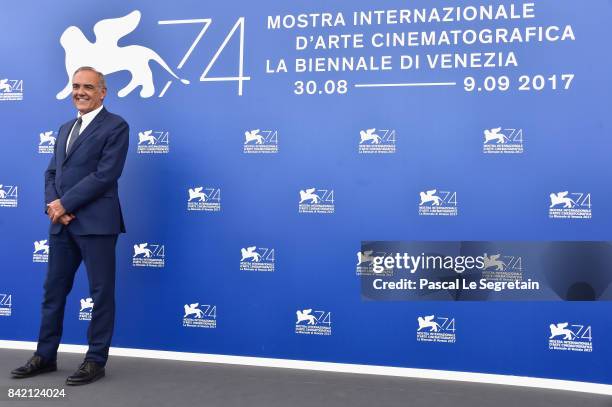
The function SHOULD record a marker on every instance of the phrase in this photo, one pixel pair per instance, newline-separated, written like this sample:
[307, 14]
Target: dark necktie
[74, 134]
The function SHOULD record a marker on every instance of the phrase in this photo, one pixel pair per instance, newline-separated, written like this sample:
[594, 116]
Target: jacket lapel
[95, 123]
[62, 140]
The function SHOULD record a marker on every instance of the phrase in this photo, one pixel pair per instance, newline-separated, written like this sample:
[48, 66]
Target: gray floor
[145, 382]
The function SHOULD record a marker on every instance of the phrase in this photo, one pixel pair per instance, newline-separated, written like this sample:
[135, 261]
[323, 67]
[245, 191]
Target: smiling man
[82, 202]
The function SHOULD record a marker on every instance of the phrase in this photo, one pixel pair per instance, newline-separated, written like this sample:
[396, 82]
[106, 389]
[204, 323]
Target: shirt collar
[88, 117]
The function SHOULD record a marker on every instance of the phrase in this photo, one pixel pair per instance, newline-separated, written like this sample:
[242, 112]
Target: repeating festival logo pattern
[204, 199]
[259, 141]
[46, 142]
[153, 142]
[436, 329]
[255, 258]
[9, 195]
[377, 141]
[570, 205]
[41, 251]
[317, 200]
[6, 305]
[11, 89]
[311, 322]
[434, 202]
[199, 316]
[365, 263]
[86, 309]
[570, 337]
[503, 141]
[502, 267]
[149, 255]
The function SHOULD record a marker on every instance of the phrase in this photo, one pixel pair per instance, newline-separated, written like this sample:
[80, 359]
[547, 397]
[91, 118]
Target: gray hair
[101, 80]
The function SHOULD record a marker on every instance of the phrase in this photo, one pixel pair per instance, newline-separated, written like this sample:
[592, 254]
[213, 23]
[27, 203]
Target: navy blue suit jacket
[85, 179]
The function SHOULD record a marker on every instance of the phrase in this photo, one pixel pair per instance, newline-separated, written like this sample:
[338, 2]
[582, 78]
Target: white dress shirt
[86, 119]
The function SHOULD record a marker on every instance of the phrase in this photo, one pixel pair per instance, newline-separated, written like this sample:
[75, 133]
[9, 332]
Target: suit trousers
[66, 252]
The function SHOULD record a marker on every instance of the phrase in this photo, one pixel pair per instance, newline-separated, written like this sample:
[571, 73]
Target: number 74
[238, 26]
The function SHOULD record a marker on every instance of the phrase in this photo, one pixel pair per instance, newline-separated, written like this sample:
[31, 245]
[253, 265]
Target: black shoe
[34, 366]
[86, 373]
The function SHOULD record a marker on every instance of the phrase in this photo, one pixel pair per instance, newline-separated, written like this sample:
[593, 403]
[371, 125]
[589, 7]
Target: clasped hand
[58, 214]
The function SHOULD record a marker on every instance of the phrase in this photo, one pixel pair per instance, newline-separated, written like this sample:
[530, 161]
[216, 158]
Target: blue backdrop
[231, 264]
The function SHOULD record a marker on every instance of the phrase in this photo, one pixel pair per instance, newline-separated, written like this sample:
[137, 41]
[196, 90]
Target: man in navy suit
[82, 202]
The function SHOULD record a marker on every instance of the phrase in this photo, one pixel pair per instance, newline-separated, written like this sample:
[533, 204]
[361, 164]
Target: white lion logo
[41, 245]
[250, 253]
[193, 309]
[146, 136]
[365, 257]
[305, 316]
[428, 322]
[561, 198]
[369, 135]
[142, 249]
[561, 329]
[87, 303]
[494, 134]
[4, 86]
[2, 192]
[309, 194]
[429, 196]
[252, 136]
[197, 193]
[106, 56]
[47, 137]
[493, 261]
